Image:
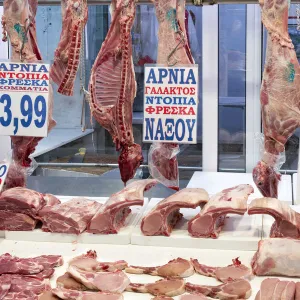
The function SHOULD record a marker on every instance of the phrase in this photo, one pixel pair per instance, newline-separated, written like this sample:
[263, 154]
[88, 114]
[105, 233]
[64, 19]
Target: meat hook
[181, 41]
[24, 38]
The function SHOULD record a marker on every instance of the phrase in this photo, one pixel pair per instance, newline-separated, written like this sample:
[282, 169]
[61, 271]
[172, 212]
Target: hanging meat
[173, 49]
[18, 23]
[113, 87]
[67, 55]
[280, 95]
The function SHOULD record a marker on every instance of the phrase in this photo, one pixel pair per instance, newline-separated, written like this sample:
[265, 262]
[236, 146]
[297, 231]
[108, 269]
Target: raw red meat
[46, 273]
[68, 282]
[168, 287]
[112, 215]
[16, 177]
[67, 55]
[48, 295]
[224, 274]
[280, 95]
[193, 297]
[114, 282]
[287, 221]
[239, 289]
[5, 284]
[165, 215]
[51, 200]
[210, 220]
[16, 222]
[162, 298]
[69, 217]
[178, 267]
[49, 261]
[297, 295]
[113, 87]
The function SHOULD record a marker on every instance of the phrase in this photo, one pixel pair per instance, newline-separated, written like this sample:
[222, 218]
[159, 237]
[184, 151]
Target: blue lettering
[149, 100]
[159, 130]
[190, 127]
[191, 77]
[192, 101]
[173, 76]
[25, 68]
[162, 73]
[170, 126]
[178, 137]
[149, 128]
[3, 67]
[151, 76]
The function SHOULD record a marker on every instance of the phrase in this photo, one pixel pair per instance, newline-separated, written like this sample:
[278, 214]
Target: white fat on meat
[209, 222]
[224, 274]
[277, 257]
[115, 282]
[165, 215]
[169, 287]
[287, 221]
[178, 267]
[68, 282]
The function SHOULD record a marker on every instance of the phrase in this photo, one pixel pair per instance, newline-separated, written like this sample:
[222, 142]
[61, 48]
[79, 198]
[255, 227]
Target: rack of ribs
[173, 49]
[280, 95]
[113, 87]
[67, 55]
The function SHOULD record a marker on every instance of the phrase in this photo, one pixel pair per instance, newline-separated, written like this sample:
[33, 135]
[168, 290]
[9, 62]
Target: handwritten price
[3, 173]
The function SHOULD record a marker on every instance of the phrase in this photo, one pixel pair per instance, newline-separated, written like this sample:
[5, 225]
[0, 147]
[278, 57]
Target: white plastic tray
[239, 233]
[214, 182]
[122, 238]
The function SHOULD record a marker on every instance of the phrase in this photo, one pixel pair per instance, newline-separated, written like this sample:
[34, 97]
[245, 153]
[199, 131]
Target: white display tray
[122, 238]
[135, 255]
[215, 182]
[239, 233]
[295, 178]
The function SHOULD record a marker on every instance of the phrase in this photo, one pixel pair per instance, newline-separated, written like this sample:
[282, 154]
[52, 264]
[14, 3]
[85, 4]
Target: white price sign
[24, 92]
[3, 173]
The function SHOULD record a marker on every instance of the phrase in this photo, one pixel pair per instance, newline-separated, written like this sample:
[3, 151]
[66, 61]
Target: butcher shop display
[113, 87]
[280, 95]
[68, 53]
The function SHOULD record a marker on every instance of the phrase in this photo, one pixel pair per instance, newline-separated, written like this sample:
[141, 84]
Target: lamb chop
[168, 287]
[113, 87]
[18, 23]
[112, 215]
[174, 268]
[67, 55]
[277, 257]
[210, 220]
[287, 221]
[224, 274]
[165, 215]
[66, 281]
[48, 295]
[239, 289]
[173, 48]
[280, 95]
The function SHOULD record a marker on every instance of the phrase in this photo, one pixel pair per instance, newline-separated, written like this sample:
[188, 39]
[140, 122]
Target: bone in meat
[113, 87]
[169, 287]
[277, 257]
[111, 216]
[67, 55]
[178, 267]
[165, 215]
[68, 282]
[280, 94]
[224, 274]
[210, 220]
[239, 289]
[287, 221]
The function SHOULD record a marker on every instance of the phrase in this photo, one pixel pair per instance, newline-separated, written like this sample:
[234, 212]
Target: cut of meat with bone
[69, 217]
[193, 297]
[168, 287]
[48, 295]
[175, 268]
[113, 87]
[67, 55]
[51, 200]
[68, 282]
[239, 289]
[114, 282]
[49, 261]
[277, 257]
[112, 215]
[280, 95]
[209, 222]
[16, 222]
[165, 215]
[224, 274]
[287, 221]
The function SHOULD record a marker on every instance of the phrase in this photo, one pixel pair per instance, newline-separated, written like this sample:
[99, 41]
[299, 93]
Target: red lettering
[174, 110]
[182, 110]
[191, 111]
[2, 75]
[147, 87]
[159, 109]
[20, 75]
[167, 110]
[186, 91]
[192, 91]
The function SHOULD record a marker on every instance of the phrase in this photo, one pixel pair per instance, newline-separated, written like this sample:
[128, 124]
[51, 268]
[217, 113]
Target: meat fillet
[112, 215]
[210, 220]
[165, 215]
[287, 221]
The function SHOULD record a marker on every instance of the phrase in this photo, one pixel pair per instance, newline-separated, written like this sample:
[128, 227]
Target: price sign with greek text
[3, 173]
[170, 104]
[24, 92]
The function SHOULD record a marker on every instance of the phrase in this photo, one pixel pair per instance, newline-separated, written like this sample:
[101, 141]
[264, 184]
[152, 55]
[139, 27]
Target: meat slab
[21, 222]
[16, 177]
[165, 215]
[224, 274]
[209, 222]
[287, 221]
[169, 287]
[280, 95]
[193, 297]
[5, 284]
[178, 267]
[113, 87]
[72, 216]
[297, 295]
[277, 257]
[112, 215]
[239, 289]
[67, 55]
